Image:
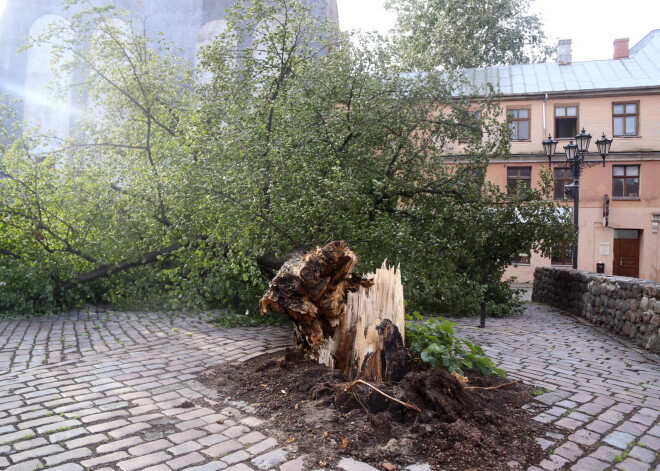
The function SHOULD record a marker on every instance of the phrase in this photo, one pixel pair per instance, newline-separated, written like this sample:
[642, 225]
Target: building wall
[595, 115]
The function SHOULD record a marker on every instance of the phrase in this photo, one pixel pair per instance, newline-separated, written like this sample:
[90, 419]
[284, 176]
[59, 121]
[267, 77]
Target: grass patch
[25, 437]
[61, 429]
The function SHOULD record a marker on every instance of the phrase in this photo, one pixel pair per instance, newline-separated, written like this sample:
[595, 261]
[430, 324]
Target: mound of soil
[309, 405]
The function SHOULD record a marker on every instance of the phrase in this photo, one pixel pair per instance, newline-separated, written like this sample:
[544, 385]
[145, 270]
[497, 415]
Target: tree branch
[10, 254]
[107, 270]
[258, 215]
[162, 219]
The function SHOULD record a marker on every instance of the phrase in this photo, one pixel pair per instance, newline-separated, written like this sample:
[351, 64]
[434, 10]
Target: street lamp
[576, 163]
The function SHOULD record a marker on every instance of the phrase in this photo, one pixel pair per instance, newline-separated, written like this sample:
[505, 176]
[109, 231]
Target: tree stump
[341, 319]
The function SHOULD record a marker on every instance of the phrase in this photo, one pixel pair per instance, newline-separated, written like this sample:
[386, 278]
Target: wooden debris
[461, 379]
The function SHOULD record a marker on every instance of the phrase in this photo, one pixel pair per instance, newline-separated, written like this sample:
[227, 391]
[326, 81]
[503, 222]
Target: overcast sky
[591, 24]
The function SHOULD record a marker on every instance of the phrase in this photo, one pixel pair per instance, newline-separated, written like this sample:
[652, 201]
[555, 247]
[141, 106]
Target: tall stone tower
[24, 76]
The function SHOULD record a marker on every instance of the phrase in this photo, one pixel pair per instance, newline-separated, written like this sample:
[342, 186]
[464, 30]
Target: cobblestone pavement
[603, 392]
[104, 391]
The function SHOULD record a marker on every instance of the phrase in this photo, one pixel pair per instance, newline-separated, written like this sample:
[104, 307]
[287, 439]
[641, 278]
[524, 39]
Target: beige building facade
[619, 213]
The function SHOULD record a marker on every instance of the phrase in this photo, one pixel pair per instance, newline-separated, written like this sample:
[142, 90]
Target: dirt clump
[309, 406]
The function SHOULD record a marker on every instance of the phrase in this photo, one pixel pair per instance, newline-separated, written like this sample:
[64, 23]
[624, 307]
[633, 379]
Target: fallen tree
[342, 320]
[186, 195]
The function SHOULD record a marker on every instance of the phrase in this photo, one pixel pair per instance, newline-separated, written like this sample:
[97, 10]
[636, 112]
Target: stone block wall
[628, 307]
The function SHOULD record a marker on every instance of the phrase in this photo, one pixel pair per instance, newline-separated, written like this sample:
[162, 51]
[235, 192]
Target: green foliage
[228, 319]
[455, 34]
[502, 300]
[179, 189]
[434, 342]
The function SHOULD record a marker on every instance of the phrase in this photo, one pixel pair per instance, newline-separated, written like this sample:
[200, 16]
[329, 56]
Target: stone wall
[627, 306]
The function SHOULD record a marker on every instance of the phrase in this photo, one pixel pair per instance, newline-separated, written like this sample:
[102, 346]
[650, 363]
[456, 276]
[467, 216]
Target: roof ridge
[642, 42]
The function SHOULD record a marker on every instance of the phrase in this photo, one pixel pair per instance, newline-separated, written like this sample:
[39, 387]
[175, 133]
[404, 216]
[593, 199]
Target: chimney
[564, 52]
[621, 50]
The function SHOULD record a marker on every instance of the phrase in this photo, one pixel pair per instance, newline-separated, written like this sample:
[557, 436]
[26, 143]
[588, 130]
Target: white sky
[592, 24]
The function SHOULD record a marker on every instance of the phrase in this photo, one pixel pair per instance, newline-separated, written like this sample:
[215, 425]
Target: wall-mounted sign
[603, 248]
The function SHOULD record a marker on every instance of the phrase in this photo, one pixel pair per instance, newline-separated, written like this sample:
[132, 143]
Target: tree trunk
[340, 319]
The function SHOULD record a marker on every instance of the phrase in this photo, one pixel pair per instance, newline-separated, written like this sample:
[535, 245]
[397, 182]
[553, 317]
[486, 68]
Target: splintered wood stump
[341, 319]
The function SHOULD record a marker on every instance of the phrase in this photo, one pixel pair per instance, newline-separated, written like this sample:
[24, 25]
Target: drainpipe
[545, 100]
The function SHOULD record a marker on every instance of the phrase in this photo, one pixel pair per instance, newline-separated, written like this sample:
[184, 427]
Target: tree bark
[341, 319]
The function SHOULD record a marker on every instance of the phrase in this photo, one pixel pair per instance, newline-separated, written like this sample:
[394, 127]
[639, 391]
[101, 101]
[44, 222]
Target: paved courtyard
[108, 391]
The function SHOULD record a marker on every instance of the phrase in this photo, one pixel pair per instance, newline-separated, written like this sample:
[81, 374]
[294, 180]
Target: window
[470, 126]
[625, 181]
[563, 177]
[566, 121]
[625, 119]
[561, 255]
[520, 259]
[518, 123]
[474, 114]
[626, 233]
[471, 174]
[517, 177]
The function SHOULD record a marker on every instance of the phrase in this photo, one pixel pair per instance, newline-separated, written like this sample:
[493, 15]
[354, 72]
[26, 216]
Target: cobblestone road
[103, 391]
[605, 392]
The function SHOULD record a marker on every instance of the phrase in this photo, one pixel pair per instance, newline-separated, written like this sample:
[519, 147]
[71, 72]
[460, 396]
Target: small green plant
[541, 391]
[623, 455]
[188, 334]
[434, 342]
[175, 329]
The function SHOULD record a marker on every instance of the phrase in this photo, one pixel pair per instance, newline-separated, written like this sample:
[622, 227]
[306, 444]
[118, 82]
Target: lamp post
[576, 163]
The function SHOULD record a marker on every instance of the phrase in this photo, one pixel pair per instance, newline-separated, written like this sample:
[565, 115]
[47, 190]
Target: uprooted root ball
[309, 407]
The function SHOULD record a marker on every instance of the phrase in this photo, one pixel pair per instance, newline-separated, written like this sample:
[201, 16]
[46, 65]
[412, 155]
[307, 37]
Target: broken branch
[494, 387]
[404, 404]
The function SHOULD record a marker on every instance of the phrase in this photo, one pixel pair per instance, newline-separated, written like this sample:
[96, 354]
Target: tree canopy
[189, 189]
[455, 34]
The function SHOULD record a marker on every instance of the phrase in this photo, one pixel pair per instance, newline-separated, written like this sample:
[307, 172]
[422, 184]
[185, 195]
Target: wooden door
[626, 257]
